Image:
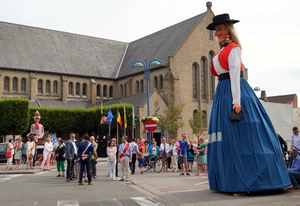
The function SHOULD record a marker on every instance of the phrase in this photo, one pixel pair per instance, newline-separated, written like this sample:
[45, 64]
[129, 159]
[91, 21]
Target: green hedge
[14, 116]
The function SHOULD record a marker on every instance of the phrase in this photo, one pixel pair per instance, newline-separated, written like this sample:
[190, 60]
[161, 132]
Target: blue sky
[269, 30]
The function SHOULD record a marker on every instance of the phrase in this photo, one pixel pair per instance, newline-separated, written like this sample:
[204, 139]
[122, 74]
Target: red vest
[223, 58]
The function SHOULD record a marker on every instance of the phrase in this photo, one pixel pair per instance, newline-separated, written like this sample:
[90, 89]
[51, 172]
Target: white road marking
[68, 203]
[296, 196]
[117, 201]
[146, 201]
[201, 183]
[43, 172]
[185, 191]
[4, 178]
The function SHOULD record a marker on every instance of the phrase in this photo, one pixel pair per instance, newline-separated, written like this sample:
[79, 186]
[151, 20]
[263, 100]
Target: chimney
[208, 5]
[263, 95]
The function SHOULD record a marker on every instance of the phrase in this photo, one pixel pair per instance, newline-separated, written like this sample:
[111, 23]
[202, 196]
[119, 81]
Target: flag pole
[125, 120]
[117, 125]
[133, 122]
[109, 125]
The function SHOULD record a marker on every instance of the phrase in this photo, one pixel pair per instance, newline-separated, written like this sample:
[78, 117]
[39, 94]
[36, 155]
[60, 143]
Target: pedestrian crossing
[133, 201]
[4, 178]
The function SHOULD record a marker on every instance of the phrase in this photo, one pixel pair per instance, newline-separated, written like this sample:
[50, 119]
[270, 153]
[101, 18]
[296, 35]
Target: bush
[14, 116]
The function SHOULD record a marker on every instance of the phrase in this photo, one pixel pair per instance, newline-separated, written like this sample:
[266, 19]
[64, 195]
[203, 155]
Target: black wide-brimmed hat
[104, 114]
[220, 19]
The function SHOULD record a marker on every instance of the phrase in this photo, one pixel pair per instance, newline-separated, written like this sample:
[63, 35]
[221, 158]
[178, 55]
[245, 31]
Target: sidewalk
[32, 171]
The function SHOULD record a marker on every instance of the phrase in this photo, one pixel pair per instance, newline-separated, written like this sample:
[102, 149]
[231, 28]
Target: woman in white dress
[174, 157]
[48, 148]
[164, 148]
[30, 149]
[10, 148]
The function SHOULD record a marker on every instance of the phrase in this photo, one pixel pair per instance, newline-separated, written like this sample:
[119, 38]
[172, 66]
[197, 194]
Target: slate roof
[160, 45]
[43, 50]
[284, 99]
[135, 100]
[49, 103]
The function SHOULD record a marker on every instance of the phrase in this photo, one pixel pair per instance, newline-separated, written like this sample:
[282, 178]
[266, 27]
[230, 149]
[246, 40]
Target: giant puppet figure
[244, 154]
[103, 136]
[38, 130]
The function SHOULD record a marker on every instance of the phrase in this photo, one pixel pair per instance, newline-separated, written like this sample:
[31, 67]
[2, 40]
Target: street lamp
[141, 64]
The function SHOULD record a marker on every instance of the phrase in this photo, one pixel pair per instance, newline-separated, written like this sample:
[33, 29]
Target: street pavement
[150, 188]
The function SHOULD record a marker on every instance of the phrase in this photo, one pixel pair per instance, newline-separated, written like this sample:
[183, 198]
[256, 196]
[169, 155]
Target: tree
[14, 116]
[170, 122]
[198, 123]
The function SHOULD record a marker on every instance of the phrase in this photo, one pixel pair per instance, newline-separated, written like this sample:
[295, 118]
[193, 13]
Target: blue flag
[110, 116]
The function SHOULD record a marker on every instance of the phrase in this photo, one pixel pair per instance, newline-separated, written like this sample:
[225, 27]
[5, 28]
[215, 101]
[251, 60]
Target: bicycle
[149, 164]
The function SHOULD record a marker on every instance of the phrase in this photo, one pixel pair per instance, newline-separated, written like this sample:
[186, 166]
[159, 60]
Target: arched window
[47, 87]
[77, 89]
[111, 90]
[6, 84]
[194, 80]
[55, 87]
[161, 82]
[98, 90]
[40, 86]
[84, 89]
[121, 88]
[155, 82]
[211, 76]
[15, 84]
[70, 89]
[137, 87]
[23, 85]
[195, 112]
[125, 90]
[142, 86]
[203, 78]
[104, 91]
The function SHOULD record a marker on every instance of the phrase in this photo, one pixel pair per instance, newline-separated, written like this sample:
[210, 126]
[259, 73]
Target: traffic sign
[150, 125]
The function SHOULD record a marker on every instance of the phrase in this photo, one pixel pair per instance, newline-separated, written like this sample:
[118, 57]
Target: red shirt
[141, 145]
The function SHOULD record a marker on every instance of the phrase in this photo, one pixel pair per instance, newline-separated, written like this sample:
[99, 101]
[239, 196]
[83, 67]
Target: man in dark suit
[71, 151]
[85, 152]
[102, 136]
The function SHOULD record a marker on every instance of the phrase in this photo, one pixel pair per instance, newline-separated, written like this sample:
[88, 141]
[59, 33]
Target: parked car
[3, 148]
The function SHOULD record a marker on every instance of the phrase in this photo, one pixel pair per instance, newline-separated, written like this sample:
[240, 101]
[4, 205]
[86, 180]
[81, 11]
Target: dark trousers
[117, 161]
[34, 158]
[295, 177]
[70, 166]
[94, 169]
[169, 162]
[132, 164]
[86, 163]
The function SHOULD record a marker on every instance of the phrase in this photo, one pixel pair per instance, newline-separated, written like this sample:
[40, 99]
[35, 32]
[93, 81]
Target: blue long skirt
[243, 156]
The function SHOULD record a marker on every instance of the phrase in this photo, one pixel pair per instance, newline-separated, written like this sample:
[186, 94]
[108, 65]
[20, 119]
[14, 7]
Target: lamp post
[146, 66]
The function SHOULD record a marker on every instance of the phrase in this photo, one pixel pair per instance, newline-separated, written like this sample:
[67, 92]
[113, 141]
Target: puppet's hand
[237, 108]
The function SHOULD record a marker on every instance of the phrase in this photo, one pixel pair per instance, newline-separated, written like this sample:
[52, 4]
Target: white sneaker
[108, 178]
[114, 179]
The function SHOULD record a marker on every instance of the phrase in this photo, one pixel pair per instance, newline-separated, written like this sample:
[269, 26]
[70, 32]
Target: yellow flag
[100, 117]
[125, 119]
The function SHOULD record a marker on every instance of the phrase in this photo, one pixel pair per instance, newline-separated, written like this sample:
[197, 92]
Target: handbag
[8, 154]
[111, 157]
[30, 156]
[235, 116]
[171, 152]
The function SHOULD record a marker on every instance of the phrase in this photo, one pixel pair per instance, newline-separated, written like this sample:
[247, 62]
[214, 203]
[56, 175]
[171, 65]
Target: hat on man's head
[220, 19]
[104, 114]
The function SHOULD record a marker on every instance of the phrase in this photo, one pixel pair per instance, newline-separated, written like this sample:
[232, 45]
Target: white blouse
[162, 147]
[48, 148]
[234, 61]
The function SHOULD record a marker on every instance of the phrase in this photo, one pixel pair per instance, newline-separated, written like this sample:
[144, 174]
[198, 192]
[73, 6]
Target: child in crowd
[142, 160]
[195, 148]
[177, 145]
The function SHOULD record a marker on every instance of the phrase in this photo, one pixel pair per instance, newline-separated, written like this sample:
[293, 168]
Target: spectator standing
[111, 159]
[146, 146]
[71, 151]
[115, 143]
[294, 171]
[169, 157]
[190, 156]
[60, 160]
[164, 148]
[140, 146]
[201, 159]
[125, 157]
[19, 147]
[85, 152]
[153, 152]
[174, 157]
[295, 142]
[282, 144]
[10, 148]
[94, 157]
[183, 158]
[76, 168]
[102, 136]
[135, 151]
[30, 150]
[48, 148]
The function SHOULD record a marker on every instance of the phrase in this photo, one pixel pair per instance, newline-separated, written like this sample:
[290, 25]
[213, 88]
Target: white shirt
[162, 147]
[174, 150]
[122, 148]
[48, 148]
[234, 61]
[296, 141]
[134, 147]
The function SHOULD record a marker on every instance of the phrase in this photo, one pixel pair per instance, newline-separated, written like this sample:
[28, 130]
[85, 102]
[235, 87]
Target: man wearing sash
[125, 157]
[135, 151]
[85, 152]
